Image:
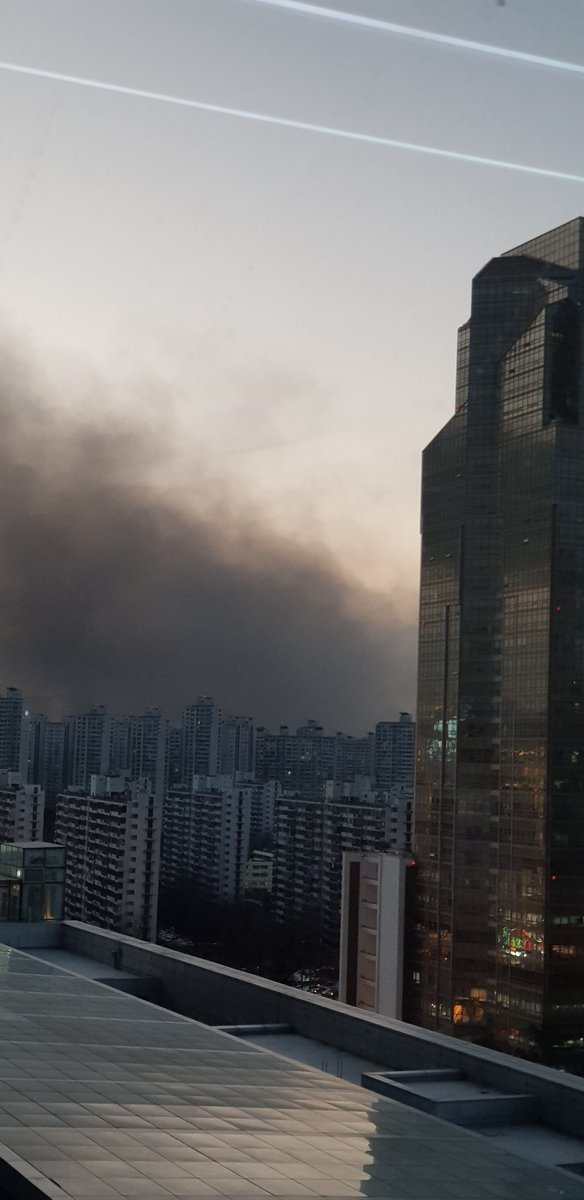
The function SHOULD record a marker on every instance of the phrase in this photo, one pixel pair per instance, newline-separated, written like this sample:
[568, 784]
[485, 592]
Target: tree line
[240, 934]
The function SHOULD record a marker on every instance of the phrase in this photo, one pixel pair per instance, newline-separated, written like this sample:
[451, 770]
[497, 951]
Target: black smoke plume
[114, 590]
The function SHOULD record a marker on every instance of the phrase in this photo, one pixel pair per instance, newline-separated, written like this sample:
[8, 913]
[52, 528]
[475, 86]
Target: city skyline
[228, 712]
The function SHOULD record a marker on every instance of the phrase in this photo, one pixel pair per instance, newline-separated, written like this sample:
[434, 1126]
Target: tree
[240, 934]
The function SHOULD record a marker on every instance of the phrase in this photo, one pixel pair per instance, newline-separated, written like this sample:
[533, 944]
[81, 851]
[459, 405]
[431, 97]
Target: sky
[247, 331]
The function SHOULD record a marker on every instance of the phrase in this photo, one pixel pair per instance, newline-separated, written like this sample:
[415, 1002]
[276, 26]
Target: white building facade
[259, 872]
[112, 837]
[373, 914]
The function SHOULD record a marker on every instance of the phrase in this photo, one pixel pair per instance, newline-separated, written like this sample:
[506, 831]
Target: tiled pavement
[103, 1096]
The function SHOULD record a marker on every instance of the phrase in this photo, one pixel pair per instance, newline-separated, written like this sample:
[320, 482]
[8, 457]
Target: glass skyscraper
[499, 952]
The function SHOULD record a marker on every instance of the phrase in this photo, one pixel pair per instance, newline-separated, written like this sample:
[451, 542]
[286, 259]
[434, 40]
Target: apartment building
[207, 836]
[22, 809]
[373, 924]
[259, 872]
[302, 761]
[310, 837]
[112, 837]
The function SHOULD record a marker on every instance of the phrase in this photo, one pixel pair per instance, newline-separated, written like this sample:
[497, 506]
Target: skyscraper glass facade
[500, 758]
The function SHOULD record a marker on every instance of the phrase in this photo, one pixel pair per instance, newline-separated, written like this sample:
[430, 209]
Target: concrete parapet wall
[26, 935]
[218, 995]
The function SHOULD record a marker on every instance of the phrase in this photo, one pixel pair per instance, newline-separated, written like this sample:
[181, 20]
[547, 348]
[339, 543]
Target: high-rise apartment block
[264, 797]
[174, 756]
[201, 739]
[22, 810]
[259, 872]
[500, 772]
[148, 748]
[45, 764]
[49, 761]
[88, 747]
[13, 754]
[112, 838]
[207, 835]
[310, 837]
[398, 808]
[303, 761]
[395, 745]
[119, 752]
[237, 746]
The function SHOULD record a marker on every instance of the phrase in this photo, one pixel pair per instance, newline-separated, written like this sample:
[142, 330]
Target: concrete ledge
[441, 1076]
[28, 935]
[452, 1097]
[244, 1031]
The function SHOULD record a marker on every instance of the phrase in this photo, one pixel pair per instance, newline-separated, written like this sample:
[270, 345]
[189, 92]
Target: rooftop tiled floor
[103, 1096]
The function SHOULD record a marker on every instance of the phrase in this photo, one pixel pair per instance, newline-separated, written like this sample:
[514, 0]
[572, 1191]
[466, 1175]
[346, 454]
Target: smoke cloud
[117, 590]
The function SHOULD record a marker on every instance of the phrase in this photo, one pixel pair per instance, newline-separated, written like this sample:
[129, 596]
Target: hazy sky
[277, 307]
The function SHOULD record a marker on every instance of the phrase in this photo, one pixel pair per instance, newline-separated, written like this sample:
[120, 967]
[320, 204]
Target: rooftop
[35, 845]
[105, 1095]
